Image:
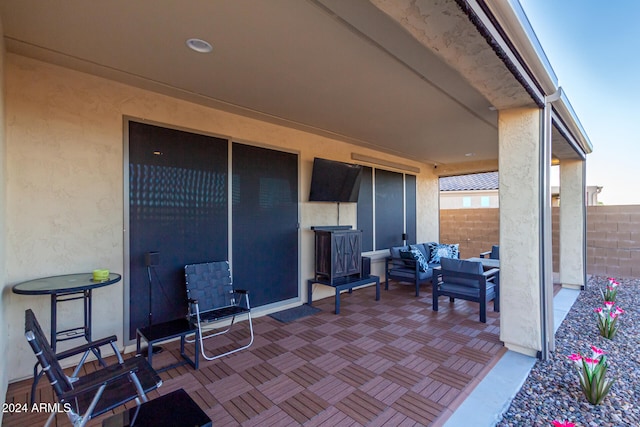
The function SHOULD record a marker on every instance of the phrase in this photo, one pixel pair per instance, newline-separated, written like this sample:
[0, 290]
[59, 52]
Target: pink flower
[575, 357]
[619, 310]
[591, 363]
[557, 423]
[608, 305]
[598, 310]
[597, 352]
[613, 314]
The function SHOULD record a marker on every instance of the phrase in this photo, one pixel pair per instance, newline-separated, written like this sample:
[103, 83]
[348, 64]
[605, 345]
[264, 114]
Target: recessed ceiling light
[199, 45]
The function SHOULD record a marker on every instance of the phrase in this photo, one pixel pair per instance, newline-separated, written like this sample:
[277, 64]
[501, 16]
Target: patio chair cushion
[422, 248]
[437, 251]
[410, 274]
[416, 255]
[395, 251]
[461, 266]
[470, 291]
[495, 252]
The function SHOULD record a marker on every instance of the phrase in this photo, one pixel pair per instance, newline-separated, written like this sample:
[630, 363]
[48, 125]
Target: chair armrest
[391, 262]
[484, 254]
[240, 291]
[105, 376]
[491, 273]
[88, 346]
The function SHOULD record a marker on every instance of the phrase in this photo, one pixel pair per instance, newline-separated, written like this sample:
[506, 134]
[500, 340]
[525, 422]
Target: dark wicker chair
[212, 299]
[83, 398]
[467, 280]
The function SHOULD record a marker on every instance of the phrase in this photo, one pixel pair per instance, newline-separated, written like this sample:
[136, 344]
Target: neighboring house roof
[476, 181]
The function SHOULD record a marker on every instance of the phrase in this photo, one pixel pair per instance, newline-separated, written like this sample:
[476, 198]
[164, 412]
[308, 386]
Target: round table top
[62, 284]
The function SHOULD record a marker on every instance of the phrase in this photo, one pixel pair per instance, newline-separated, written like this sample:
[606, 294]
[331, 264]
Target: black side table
[68, 287]
[174, 409]
[166, 331]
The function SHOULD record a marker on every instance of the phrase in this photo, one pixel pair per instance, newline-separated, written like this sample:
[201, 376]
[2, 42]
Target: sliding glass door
[179, 208]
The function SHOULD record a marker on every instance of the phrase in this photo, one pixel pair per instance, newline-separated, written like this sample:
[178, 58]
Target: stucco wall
[476, 199]
[4, 377]
[65, 184]
[518, 144]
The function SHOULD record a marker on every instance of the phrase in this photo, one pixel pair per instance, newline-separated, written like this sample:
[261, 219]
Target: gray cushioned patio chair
[467, 280]
[494, 253]
[212, 299]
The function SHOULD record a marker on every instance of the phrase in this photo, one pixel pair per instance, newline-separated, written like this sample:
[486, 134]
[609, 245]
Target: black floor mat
[294, 313]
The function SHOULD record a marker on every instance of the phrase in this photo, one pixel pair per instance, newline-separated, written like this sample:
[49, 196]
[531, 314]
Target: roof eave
[516, 26]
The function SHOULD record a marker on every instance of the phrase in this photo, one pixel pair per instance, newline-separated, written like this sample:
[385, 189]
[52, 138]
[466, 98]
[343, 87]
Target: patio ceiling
[374, 75]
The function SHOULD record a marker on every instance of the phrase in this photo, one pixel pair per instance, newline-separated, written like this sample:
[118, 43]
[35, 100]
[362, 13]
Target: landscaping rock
[552, 390]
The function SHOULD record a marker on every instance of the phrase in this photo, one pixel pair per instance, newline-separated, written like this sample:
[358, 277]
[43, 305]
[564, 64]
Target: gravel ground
[552, 390]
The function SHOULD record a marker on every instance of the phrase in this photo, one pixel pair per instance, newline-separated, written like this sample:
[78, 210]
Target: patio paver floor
[393, 361]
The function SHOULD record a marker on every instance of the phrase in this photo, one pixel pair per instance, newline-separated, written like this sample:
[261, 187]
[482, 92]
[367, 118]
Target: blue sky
[594, 49]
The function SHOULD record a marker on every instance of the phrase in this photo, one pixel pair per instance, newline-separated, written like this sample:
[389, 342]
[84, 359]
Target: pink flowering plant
[610, 291]
[593, 374]
[607, 317]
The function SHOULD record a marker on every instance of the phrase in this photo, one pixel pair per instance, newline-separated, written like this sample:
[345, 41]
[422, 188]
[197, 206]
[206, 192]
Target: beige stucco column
[4, 371]
[572, 223]
[521, 235]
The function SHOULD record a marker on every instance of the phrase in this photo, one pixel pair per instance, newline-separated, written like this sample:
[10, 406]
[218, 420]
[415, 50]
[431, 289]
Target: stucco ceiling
[346, 69]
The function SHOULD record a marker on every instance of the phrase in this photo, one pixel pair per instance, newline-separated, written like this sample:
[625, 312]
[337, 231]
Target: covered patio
[388, 362]
[409, 91]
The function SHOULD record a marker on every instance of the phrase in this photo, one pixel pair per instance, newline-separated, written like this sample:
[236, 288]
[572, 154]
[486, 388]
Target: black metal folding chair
[212, 299]
[83, 398]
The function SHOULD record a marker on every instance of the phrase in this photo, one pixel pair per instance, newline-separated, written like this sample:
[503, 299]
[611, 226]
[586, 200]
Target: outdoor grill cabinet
[338, 252]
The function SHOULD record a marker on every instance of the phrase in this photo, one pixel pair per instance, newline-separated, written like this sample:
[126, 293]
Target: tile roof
[476, 181]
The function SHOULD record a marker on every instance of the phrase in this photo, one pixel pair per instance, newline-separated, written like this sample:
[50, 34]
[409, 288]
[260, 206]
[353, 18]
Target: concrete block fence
[613, 236]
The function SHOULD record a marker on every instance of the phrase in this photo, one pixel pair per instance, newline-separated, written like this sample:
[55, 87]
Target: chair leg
[52, 417]
[483, 311]
[201, 340]
[434, 303]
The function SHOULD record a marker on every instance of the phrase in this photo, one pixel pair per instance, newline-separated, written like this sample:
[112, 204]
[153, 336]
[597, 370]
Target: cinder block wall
[613, 236]
[613, 240]
[476, 230]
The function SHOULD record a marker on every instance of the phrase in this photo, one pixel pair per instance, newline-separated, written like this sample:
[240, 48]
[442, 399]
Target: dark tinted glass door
[265, 223]
[177, 207]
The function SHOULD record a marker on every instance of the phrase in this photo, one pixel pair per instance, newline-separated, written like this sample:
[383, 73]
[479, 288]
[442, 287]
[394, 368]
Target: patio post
[572, 224]
[523, 230]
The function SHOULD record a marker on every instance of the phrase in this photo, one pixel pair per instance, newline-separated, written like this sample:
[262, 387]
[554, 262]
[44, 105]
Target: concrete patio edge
[493, 395]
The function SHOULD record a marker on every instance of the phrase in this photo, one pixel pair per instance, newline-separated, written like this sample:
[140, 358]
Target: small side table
[174, 409]
[342, 284]
[68, 287]
[166, 331]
